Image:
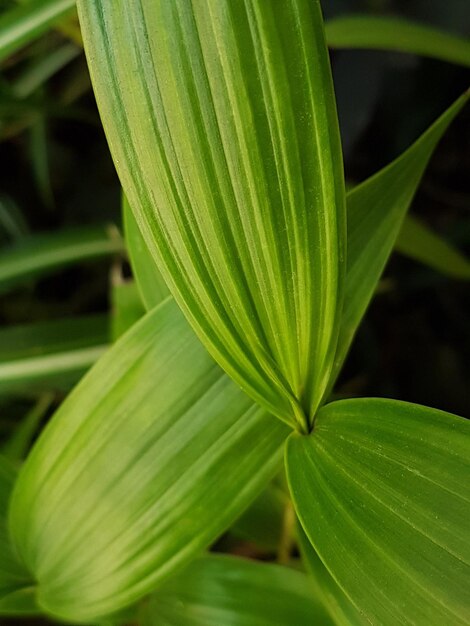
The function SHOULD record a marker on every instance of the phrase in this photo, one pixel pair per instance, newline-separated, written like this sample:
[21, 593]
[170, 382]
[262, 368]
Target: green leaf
[420, 243]
[162, 452]
[150, 283]
[228, 591]
[50, 355]
[16, 597]
[376, 209]
[40, 255]
[388, 33]
[25, 23]
[341, 609]
[222, 124]
[381, 489]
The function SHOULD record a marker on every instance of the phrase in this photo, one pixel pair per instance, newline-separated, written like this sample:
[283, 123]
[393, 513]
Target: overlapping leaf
[151, 457]
[376, 209]
[228, 591]
[222, 124]
[381, 488]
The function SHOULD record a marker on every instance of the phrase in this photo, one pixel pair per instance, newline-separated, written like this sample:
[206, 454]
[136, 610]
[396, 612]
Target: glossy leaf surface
[419, 242]
[16, 597]
[222, 124]
[150, 458]
[376, 209]
[381, 489]
[24, 23]
[229, 591]
[388, 33]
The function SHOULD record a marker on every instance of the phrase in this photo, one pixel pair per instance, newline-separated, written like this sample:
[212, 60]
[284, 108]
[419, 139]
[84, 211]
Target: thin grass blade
[26, 22]
[376, 210]
[399, 35]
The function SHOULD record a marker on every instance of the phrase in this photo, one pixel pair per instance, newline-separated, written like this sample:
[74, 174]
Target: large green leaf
[228, 591]
[339, 606]
[222, 123]
[24, 23]
[381, 488]
[151, 457]
[420, 243]
[42, 254]
[16, 597]
[376, 209]
[150, 283]
[388, 33]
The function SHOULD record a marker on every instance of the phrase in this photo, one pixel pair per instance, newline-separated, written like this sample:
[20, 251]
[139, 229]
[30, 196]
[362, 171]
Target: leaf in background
[50, 355]
[127, 306]
[162, 452]
[25, 23]
[221, 120]
[376, 209]
[18, 444]
[13, 225]
[339, 606]
[41, 69]
[388, 33]
[420, 243]
[16, 597]
[262, 522]
[39, 157]
[40, 255]
[150, 283]
[229, 591]
[381, 489]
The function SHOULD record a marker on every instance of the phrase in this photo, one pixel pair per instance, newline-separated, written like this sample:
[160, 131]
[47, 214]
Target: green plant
[221, 119]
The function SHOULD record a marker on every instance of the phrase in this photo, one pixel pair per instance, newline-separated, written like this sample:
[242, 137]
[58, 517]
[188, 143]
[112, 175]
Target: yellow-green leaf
[16, 596]
[152, 456]
[222, 123]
